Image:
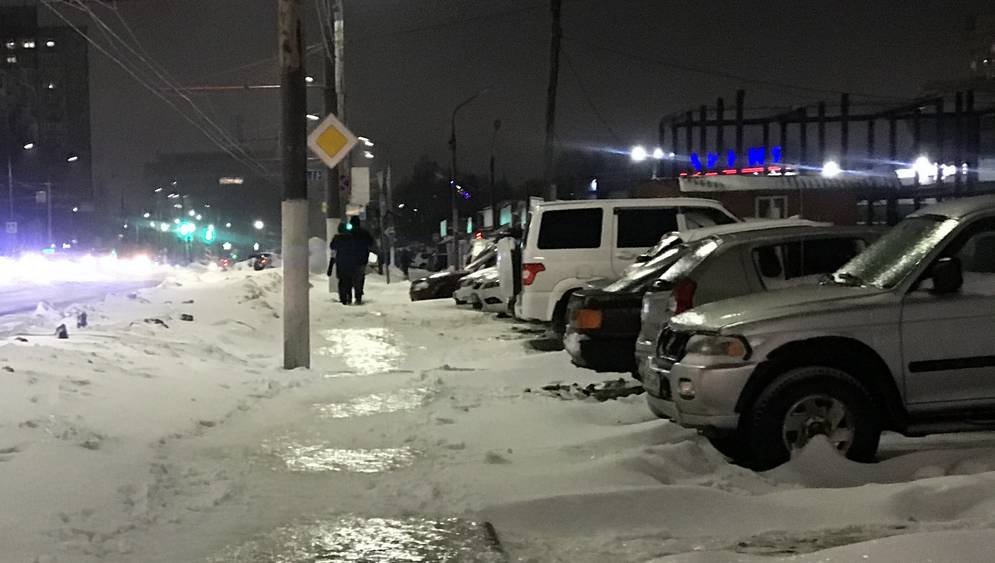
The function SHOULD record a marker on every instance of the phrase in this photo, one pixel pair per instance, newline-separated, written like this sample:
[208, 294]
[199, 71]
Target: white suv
[571, 242]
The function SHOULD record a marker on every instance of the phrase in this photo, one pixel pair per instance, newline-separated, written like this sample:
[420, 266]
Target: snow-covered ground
[144, 437]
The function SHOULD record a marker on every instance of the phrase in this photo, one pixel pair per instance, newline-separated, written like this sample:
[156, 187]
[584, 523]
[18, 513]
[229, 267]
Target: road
[24, 298]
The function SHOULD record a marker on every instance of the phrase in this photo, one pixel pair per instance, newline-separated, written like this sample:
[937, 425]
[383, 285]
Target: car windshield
[895, 255]
[695, 254]
[482, 259]
[640, 277]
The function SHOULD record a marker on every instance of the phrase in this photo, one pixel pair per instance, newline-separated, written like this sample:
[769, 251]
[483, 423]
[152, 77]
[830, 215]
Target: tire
[558, 328]
[817, 395]
[476, 303]
[732, 445]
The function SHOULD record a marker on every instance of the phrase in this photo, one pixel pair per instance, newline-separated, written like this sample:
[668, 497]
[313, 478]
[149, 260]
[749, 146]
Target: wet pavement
[362, 539]
[366, 351]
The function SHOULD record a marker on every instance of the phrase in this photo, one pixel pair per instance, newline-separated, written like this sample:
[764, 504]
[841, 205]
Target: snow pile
[38, 269]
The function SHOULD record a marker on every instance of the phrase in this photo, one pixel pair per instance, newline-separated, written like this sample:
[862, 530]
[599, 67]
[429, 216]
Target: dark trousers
[359, 282]
[345, 285]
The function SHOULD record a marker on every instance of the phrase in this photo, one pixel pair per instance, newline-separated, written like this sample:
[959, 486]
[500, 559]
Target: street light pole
[454, 229]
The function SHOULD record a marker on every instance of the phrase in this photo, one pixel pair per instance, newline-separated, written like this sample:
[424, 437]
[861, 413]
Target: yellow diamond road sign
[331, 141]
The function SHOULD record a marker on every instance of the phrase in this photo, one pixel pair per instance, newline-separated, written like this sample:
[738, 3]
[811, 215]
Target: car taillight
[682, 296]
[530, 271]
[587, 319]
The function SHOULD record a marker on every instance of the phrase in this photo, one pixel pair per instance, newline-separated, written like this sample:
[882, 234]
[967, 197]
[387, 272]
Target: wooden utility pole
[554, 72]
[293, 149]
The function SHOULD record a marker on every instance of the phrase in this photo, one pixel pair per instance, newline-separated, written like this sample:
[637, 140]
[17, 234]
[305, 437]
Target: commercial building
[46, 181]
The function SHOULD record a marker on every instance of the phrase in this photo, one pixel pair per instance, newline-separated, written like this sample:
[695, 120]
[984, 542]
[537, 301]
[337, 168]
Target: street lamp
[72, 158]
[638, 153]
[259, 225]
[368, 154]
[831, 169]
[29, 146]
[312, 117]
[454, 171]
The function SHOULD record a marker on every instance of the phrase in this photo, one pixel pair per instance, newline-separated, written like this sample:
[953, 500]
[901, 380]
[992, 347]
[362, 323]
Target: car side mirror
[947, 275]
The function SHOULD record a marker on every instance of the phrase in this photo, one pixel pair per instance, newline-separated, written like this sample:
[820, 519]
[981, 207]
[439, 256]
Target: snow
[144, 437]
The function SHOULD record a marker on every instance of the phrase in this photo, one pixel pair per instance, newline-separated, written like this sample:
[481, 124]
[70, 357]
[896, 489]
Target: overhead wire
[137, 73]
[163, 75]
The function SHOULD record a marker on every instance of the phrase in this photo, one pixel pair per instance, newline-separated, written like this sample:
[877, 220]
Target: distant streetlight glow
[29, 146]
[164, 227]
[400, 206]
[658, 153]
[312, 117]
[199, 217]
[75, 209]
[157, 190]
[72, 158]
[259, 225]
[638, 153]
[831, 169]
[226, 245]
[367, 154]
[309, 79]
[146, 215]
[227, 225]
[191, 213]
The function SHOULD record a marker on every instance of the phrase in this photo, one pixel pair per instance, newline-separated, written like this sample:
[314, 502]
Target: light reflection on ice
[376, 403]
[365, 350]
[371, 539]
[319, 458]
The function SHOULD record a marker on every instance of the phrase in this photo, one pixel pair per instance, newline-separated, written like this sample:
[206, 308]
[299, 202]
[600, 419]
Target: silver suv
[900, 338]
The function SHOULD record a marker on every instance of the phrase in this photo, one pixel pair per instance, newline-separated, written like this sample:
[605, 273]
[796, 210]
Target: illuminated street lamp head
[199, 217]
[158, 190]
[75, 209]
[309, 79]
[638, 153]
[368, 154]
[658, 153]
[29, 146]
[72, 158]
[259, 225]
[831, 169]
[191, 213]
[146, 215]
[227, 225]
[312, 117]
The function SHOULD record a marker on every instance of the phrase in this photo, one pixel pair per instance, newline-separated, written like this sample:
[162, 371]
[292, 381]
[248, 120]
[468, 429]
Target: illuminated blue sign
[755, 156]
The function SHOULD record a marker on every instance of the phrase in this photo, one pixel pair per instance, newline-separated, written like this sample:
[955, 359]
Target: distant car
[604, 325]
[262, 260]
[441, 285]
[571, 242]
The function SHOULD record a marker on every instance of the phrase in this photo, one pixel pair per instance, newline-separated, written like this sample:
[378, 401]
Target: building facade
[45, 128]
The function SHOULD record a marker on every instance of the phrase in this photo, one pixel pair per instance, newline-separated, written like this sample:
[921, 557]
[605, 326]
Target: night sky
[410, 61]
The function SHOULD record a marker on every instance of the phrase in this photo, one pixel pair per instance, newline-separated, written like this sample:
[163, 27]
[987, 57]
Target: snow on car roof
[747, 226]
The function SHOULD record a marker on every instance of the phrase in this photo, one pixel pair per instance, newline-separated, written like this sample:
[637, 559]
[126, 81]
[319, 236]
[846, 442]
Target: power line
[722, 74]
[587, 97]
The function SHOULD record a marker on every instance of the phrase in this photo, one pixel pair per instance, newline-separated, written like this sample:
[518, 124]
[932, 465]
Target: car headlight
[720, 346]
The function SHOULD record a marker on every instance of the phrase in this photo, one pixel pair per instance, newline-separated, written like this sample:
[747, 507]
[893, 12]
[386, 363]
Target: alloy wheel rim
[818, 415]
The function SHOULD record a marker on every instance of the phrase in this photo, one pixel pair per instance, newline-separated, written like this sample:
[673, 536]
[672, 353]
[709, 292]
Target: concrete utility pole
[554, 72]
[494, 212]
[293, 141]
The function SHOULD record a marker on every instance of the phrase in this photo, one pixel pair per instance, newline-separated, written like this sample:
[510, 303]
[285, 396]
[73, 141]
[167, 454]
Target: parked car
[603, 325]
[441, 285]
[488, 293]
[899, 338]
[571, 242]
[463, 295]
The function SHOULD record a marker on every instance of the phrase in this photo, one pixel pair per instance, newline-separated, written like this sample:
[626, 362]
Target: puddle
[371, 539]
[376, 403]
[319, 458]
[365, 350]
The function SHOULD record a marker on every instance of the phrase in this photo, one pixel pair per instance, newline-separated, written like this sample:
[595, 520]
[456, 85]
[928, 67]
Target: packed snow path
[148, 438]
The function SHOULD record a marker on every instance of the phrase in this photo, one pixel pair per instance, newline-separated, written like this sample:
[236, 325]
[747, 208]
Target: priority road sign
[331, 141]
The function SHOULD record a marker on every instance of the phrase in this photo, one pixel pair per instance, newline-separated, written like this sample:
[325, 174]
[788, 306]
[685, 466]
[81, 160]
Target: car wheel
[558, 327]
[808, 402]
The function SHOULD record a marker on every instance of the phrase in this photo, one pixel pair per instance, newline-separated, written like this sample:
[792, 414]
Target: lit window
[11, 59]
[29, 44]
[11, 45]
[50, 43]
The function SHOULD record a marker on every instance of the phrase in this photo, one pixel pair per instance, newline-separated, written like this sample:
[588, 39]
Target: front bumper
[716, 391]
[600, 354]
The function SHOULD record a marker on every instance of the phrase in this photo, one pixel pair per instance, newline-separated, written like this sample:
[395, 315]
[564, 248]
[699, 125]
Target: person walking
[362, 245]
[344, 261]
[404, 260]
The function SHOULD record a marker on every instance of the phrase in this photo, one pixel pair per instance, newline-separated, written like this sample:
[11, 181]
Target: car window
[698, 217]
[695, 254]
[642, 228]
[891, 258]
[794, 263]
[975, 248]
[639, 278]
[571, 228]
